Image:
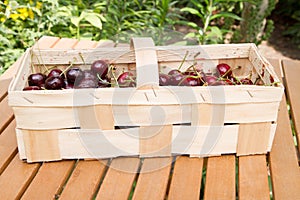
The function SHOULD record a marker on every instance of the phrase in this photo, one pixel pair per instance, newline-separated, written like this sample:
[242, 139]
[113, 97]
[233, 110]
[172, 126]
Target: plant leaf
[93, 19]
[75, 21]
[192, 11]
[225, 14]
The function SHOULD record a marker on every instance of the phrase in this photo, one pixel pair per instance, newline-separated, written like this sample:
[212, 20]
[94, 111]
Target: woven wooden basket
[148, 120]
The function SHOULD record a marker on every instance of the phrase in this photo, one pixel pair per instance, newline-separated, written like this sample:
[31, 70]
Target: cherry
[100, 67]
[218, 82]
[271, 79]
[31, 88]
[229, 81]
[246, 81]
[164, 79]
[174, 72]
[190, 73]
[68, 85]
[190, 81]
[87, 83]
[176, 79]
[210, 79]
[224, 69]
[89, 80]
[56, 72]
[54, 83]
[74, 74]
[126, 79]
[37, 79]
[89, 74]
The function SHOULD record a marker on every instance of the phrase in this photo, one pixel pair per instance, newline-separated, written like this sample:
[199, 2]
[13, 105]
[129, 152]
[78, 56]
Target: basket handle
[146, 62]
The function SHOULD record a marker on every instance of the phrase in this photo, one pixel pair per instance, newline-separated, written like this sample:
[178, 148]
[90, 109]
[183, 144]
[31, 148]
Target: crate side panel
[201, 141]
[156, 96]
[155, 141]
[136, 115]
[125, 55]
[24, 70]
[98, 144]
[41, 145]
[253, 138]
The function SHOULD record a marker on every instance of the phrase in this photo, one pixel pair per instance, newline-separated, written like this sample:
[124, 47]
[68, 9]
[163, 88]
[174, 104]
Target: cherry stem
[111, 68]
[71, 64]
[198, 74]
[102, 81]
[184, 58]
[81, 57]
[230, 70]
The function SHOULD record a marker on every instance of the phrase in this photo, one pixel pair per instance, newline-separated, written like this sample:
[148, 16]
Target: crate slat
[198, 141]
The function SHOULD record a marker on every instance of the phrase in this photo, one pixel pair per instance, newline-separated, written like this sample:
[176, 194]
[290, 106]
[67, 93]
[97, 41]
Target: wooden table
[274, 175]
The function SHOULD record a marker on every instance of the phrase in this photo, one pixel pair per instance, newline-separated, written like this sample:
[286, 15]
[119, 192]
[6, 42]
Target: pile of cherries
[73, 77]
[196, 77]
[97, 77]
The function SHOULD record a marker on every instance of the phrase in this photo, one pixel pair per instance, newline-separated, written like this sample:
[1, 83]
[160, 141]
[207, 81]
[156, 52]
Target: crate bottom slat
[199, 141]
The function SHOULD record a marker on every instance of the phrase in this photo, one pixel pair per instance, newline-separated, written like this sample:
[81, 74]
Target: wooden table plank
[6, 115]
[84, 180]
[4, 83]
[118, 181]
[153, 179]
[220, 178]
[8, 145]
[49, 180]
[283, 159]
[291, 70]
[186, 178]
[86, 44]
[65, 43]
[15, 179]
[253, 178]
[46, 42]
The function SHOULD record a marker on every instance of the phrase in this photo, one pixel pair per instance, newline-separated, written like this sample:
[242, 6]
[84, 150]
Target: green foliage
[22, 22]
[211, 14]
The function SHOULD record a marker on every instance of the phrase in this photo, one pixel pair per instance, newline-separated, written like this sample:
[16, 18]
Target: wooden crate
[148, 120]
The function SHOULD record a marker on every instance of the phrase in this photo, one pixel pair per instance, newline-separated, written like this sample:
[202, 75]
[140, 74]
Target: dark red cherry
[218, 82]
[68, 85]
[271, 79]
[31, 88]
[56, 72]
[210, 79]
[190, 81]
[54, 83]
[74, 74]
[190, 73]
[229, 81]
[100, 67]
[126, 79]
[89, 74]
[174, 72]
[224, 70]
[164, 79]
[176, 79]
[87, 83]
[37, 79]
[246, 81]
